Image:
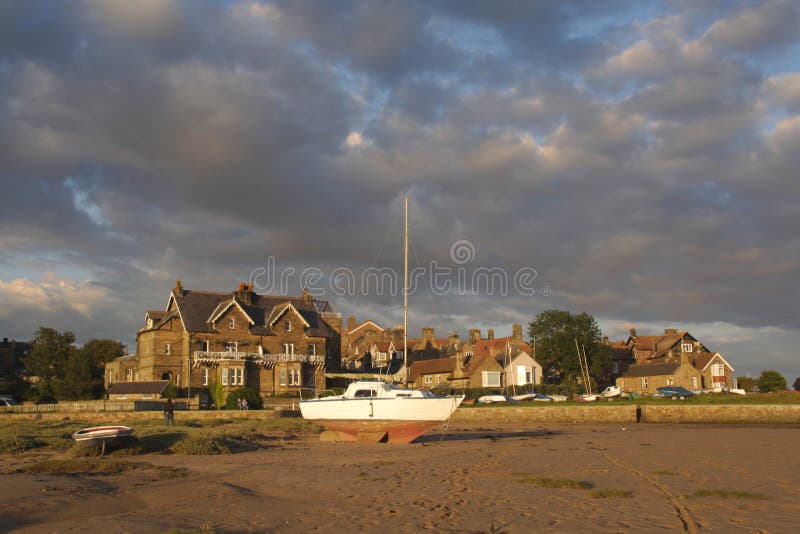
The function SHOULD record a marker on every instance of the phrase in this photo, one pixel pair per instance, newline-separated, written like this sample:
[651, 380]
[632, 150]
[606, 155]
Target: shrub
[217, 393]
[254, 401]
[16, 444]
[170, 392]
[201, 446]
[771, 381]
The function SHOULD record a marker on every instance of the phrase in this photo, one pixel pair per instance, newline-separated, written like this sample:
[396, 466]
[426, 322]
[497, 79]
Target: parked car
[5, 400]
[490, 399]
[676, 392]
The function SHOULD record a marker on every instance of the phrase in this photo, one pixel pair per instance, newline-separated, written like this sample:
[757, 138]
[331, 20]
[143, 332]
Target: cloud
[767, 26]
[50, 295]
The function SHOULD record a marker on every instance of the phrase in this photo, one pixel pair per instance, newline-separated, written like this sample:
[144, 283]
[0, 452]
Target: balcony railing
[267, 360]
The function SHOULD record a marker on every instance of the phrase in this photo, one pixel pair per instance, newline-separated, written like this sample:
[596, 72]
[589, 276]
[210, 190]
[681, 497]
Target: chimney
[334, 320]
[5, 340]
[427, 334]
[474, 336]
[306, 296]
[245, 293]
[351, 323]
[178, 288]
[453, 339]
[633, 333]
[516, 333]
[668, 331]
[490, 334]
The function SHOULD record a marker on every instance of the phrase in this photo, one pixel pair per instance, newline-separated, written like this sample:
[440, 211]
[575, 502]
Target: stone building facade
[273, 344]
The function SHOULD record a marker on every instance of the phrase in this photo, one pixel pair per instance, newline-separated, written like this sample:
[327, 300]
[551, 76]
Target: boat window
[365, 393]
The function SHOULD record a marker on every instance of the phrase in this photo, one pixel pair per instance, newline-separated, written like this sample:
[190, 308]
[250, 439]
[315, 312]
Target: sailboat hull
[386, 431]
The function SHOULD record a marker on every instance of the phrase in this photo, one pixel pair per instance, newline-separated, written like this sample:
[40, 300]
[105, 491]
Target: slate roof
[196, 307]
[434, 366]
[651, 369]
[128, 388]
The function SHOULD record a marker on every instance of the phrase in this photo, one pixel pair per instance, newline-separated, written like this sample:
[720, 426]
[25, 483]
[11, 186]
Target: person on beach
[169, 412]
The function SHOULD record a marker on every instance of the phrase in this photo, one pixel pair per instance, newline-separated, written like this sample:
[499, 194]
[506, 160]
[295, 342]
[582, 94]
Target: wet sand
[478, 478]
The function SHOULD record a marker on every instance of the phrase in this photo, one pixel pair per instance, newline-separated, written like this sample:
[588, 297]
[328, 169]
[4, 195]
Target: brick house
[717, 373]
[645, 379]
[273, 344]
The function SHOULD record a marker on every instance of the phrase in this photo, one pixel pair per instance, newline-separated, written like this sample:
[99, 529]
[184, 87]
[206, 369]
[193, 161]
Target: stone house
[645, 379]
[717, 373]
[273, 344]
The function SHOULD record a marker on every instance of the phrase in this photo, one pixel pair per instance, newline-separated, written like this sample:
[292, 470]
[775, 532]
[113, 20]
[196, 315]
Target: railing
[201, 357]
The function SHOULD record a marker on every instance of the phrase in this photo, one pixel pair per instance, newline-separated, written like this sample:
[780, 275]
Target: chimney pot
[516, 333]
[490, 333]
[351, 323]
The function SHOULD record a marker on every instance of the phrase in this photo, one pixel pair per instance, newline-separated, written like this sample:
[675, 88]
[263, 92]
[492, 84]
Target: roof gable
[281, 311]
[223, 307]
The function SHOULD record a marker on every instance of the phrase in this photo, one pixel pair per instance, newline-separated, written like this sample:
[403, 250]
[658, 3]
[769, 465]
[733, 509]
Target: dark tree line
[64, 371]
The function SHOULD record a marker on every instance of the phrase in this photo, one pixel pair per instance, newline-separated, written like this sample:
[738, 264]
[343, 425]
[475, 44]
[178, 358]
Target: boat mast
[405, 297]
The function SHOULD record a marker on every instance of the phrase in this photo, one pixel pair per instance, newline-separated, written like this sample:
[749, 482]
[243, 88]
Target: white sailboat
[376, 411]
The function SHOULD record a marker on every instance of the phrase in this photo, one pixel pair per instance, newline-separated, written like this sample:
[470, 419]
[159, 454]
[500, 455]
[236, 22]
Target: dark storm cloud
[643, 162]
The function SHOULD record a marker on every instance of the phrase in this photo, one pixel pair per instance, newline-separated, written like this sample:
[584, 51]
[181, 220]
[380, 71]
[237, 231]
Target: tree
[103, 351]
[555, 332]
[771, 381]
[48, 359]
[746, 383]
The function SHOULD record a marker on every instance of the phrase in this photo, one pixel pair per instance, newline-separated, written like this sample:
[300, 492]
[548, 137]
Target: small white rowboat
[98, 436]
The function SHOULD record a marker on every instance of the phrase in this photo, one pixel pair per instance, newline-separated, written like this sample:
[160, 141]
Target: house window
[312, 350]
[718, 369]
[687, 346]
[491, 379]
[232, 346]
[644, 383]
[615, 367]
[204, 376]
[177, 379]
[288, 348]
[205, 346]
[232, 323]
[224, 376]
[149, 323]
[694, 382]
[136, 375]
[129, 375]
[529, 375]
[428, 379]
[670, 382]
[110, 381]
[438, 379]
[283, 377]
[294, 377]
[287, 326]
[167, 349]
[237, 377]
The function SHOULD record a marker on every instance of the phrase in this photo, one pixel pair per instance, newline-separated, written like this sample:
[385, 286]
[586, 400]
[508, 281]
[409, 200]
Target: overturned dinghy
[99, 436]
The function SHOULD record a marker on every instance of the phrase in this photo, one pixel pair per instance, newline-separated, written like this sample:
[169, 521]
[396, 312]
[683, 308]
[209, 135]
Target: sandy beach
[471, 479]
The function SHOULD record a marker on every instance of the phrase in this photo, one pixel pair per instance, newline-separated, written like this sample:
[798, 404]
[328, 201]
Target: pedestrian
[244, 405]
[239, 404]
[169, 412]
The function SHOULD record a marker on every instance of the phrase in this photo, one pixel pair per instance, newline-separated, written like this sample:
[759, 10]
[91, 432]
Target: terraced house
[270, 343]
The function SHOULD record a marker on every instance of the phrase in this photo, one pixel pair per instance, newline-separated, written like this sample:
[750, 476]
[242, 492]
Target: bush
[170, 392]
[746, 383]
[771, 381]
[201, 446]
[254, 401]
[16, 444]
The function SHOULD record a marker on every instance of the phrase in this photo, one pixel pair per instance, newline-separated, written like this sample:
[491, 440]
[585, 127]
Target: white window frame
[670, 381]
[491, 379]
[129, 375]
[295, 377]
[167, 349]
[232, 323]
[686, 346]
[231, 345]
[287, 326]
[428, 379]
[237, 376]
[288, 348]
[694, 382]
[645, 383]
[312, 349]
[205, 346]
[136, 375]
[718, 369]
[204, 376]
[282, 376]
[224, 376]
[438, 379]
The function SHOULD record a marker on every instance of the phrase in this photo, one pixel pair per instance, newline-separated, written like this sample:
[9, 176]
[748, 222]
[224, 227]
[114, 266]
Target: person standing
[169, 412]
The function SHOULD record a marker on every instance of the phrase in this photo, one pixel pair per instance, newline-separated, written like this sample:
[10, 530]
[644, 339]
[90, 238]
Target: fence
[101, 406]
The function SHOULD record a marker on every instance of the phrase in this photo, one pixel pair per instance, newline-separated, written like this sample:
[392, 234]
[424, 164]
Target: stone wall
[598, 413]
[722, 413]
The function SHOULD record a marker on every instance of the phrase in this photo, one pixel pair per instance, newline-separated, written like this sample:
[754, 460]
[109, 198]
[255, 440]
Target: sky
[636, 161]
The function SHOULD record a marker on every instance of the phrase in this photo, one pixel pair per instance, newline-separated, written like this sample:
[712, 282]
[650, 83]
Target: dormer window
[149, 322]
[287, 326]
[687, 346]
[232, 323]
